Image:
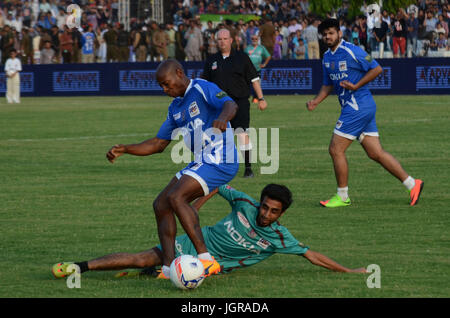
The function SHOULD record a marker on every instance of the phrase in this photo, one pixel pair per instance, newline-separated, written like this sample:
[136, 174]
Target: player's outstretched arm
[228, 112]
[325, 90]
[145, 148]
[321, 260]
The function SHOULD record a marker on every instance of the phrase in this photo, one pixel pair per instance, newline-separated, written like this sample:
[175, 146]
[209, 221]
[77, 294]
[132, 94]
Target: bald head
[224, 41]
[170, 76]
[170, 66]
[223, 33]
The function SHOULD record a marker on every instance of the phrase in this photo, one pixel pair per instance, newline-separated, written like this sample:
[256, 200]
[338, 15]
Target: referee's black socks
[248, 165]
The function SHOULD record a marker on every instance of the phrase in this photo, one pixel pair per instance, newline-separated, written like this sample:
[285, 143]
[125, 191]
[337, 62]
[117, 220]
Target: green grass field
[62, 200]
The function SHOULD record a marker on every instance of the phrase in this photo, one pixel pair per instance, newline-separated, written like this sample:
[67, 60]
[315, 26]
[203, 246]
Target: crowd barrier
[400, 76]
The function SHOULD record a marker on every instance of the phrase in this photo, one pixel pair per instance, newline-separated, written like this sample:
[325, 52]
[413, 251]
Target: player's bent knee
[160, 205]
[374, 155]
[175, 200]
[334, 151]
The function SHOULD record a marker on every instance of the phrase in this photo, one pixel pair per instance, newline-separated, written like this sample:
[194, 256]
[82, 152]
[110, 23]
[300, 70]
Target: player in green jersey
[248, 235]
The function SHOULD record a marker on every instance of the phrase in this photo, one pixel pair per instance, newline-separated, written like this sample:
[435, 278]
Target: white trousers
[13, 89]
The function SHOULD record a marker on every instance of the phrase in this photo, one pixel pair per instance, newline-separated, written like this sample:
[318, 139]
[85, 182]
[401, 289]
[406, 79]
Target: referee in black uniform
[234, 72]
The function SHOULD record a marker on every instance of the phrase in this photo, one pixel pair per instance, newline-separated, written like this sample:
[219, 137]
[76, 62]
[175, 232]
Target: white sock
[409, 183]
[343, 193]
[166, 270]
[205, 256]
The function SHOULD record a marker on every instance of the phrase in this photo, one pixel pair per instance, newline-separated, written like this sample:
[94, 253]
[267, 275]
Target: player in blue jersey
[249, 234]
[347, 69]
[201, 112]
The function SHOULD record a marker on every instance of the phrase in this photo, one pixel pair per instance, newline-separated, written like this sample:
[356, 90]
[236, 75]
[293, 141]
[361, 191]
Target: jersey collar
[232, 52]
[188, 88]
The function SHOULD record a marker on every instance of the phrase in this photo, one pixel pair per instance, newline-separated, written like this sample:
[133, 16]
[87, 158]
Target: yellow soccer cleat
[211, 267]
[59, 270]
[335, 202]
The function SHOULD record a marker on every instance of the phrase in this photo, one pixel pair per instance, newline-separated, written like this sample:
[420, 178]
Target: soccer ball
[187, 272]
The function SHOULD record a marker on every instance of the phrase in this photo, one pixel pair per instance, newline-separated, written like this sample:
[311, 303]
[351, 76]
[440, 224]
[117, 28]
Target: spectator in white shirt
[12, 68]
[311, 36]
[44, 7]
[294, 26]
[61, 18]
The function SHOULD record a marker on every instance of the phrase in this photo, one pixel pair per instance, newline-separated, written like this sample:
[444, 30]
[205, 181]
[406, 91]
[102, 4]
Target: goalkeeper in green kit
[248, 235]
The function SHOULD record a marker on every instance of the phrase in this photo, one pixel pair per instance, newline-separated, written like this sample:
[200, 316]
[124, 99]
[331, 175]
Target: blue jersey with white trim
[193, 115]
[348, 62]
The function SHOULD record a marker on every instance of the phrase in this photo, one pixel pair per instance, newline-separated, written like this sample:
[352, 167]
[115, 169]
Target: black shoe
[248, 173]
[148, 271]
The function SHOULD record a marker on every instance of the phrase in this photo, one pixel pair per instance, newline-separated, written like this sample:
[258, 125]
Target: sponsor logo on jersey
[263, 243]
[342, 66]
[193, 109]
[177, 116]
[332, 65]
[243, 220]
[179, 247]
[239, 239]
[327, 65]
[338, 76]
[221, 94]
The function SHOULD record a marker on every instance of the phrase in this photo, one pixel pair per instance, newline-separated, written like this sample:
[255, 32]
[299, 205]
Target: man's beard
[334, 44]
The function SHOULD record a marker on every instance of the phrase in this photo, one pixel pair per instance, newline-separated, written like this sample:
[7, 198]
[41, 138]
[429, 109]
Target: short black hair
[328, 23]
[278, 192]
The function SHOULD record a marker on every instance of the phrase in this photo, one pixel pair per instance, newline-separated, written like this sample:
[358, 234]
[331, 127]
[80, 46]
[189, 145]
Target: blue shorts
[210, 176]
[355, 124]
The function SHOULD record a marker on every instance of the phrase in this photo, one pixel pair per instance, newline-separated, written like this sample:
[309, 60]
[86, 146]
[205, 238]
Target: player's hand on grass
[115, 152]
[348, 85]
[358, 270]
[311, 105]
[262, 104]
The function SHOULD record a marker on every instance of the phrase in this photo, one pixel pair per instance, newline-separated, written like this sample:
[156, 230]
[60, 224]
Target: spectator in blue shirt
[252, 29]
[87, 46]
[412, 27]
[49, 20]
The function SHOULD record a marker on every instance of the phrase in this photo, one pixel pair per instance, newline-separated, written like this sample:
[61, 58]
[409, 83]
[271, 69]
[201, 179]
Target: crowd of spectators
[287, 28]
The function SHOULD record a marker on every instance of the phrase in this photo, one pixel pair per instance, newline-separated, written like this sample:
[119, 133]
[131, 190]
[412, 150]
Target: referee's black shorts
[242, 117]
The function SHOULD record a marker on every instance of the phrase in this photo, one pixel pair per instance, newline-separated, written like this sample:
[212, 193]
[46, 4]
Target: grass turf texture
[62, 200]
